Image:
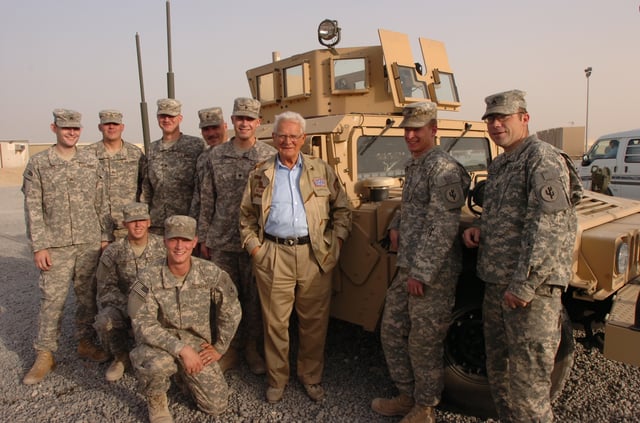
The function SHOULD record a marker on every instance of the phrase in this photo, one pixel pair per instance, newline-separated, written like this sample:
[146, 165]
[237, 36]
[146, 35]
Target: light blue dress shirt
[287, 218]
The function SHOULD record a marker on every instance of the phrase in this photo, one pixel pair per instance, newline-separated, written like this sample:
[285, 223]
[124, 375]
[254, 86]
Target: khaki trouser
[288, 276]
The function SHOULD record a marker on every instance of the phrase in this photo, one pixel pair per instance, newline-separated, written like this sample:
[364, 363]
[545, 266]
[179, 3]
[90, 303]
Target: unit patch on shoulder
[452, 195]
[552, 196]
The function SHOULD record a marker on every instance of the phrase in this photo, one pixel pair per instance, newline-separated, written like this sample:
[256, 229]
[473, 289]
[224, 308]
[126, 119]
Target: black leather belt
[288, 241]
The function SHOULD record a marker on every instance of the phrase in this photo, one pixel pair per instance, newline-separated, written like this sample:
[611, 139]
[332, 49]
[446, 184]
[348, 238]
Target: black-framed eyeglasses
[500, 118]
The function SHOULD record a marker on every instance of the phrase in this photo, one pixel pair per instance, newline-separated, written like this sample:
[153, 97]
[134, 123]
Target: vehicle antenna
[144, 115]
[170, 81]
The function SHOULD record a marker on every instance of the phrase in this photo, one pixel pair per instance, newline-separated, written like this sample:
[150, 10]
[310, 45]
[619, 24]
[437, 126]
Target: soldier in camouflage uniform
[525, 237]
[67, 224]
[122, 164]
[170, 176]
[120, 264]
[170, 308]
[214, 131]
[225, 177]
[420, 299]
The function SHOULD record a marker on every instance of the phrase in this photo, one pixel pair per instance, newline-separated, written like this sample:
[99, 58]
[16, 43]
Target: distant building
[14, 153]
[569, 139]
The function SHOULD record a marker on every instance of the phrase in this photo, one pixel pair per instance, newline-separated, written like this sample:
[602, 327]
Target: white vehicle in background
[617, 154]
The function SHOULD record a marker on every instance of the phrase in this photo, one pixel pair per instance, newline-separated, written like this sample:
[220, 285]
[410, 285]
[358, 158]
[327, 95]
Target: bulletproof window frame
[351, 79]
[406, 77]
[300, 71]
[263, 84]
[444, 90]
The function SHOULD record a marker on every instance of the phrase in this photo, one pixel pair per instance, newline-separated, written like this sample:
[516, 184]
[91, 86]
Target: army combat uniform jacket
[226, 174]
[123, 173]
[201, 165]
[119, 268]
[170, 178]
[434, 191]
[173, 315]
[528, 228]
[64, 201]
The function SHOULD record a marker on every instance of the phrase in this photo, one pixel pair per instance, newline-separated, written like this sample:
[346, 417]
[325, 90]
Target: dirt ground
[11, 177]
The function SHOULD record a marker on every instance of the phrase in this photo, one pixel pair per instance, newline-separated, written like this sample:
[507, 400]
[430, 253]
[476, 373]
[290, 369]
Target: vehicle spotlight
[328, 33]
[622, 258]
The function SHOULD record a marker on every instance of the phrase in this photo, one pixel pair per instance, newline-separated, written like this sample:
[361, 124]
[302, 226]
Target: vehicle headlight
[622, 258]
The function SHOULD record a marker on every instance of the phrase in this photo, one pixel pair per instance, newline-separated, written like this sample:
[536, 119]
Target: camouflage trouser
[412, 334]
[154, 366]
[238, 266]
[113, 325]
[75, 263]
[521, 345]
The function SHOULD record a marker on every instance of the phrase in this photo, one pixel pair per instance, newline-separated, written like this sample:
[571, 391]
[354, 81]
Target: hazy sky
[81, 54]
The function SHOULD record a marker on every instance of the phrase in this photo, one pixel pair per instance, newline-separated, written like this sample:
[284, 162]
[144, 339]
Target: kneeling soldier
[170, 308]
[119, 267]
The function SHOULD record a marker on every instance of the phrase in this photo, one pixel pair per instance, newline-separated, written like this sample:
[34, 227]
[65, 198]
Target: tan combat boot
[87, 349]
[396, 406]
[254, 359]
[420, 414]
[229, 360]
[117, 367]
[41, 367]
[159, 409]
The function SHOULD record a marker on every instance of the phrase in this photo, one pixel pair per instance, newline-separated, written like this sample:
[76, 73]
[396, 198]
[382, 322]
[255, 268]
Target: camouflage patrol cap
[249, 107]
[505, 103]
[135, 211]
[417, 115]
[110, 116]
[65, 118]
[210, 117]
[178, 226]
[169, 106]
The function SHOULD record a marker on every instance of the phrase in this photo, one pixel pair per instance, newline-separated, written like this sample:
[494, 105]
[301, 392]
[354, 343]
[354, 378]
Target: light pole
[587, 73]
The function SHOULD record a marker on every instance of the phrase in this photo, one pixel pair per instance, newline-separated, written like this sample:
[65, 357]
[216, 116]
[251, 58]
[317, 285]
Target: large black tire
[466, 386]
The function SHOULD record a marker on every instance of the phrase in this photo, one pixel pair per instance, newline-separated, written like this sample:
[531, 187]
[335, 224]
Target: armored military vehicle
[352, 99]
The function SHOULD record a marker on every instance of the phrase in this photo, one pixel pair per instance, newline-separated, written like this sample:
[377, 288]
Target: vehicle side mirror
[476, 197]
[585, 160]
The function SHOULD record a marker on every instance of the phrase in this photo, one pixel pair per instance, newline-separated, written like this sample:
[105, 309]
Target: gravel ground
[599, 390]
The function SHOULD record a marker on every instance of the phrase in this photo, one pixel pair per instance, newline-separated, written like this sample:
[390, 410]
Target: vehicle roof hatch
[442, 84]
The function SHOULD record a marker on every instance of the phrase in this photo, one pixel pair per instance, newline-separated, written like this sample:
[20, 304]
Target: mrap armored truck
[352, 99]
